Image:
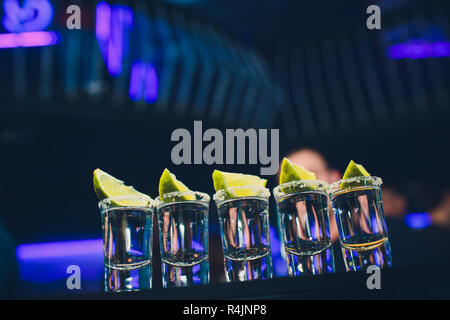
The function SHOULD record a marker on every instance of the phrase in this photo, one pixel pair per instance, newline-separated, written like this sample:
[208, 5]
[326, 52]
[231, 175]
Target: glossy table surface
[417, 282]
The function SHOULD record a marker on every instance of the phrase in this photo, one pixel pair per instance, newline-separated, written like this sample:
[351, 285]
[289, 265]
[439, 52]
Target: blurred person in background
[416, 237]
[409, 245]
[440, 213]
[434, 199]
[406, 243]
[395, 203]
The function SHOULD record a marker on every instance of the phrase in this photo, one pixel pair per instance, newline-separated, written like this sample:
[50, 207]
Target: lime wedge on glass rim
[290, 172]
[294, 172]
[168, 183]
[353, 170]
[224, 180]
[106, 186]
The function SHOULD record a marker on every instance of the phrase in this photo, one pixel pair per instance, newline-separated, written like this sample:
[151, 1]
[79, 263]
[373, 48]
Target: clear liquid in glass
[305, 233]
[127, 248]
[362, 228]
[244, 225]
[183, 228]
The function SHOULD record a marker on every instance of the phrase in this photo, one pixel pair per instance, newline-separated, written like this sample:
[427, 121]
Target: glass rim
[321, 186]
[200, 197]
[106, 203]
[261, 192]
[365, 181]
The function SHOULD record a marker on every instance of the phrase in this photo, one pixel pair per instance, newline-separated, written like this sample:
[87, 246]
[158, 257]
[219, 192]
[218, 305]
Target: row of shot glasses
[303, 209]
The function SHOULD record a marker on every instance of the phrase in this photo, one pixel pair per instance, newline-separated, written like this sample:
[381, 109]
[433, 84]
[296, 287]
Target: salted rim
[261, 192]
[368, 181]
[318, 185]
[200, 197]
[107, 201]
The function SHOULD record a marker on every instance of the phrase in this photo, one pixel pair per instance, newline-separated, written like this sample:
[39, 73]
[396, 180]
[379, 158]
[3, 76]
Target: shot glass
[127, 243]
[304, 224]
[363, 235]
[245, 233]
[183, 234]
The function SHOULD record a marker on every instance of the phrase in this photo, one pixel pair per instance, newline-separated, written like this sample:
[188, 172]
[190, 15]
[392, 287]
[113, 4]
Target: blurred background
[109, 95]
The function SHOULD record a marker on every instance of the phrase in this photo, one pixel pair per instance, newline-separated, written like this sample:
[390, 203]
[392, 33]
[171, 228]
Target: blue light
[419, 49]
[26, 24]
[33, 15]
[112, 24]
[278, 261]
[58, 249]
[143, 82]
[48, 262]
[28, 39]
[419, 220]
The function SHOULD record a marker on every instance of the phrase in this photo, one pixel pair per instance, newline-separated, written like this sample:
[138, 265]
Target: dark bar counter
[418, 282]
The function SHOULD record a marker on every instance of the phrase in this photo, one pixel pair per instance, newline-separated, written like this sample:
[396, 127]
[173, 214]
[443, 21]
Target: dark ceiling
[264, 23]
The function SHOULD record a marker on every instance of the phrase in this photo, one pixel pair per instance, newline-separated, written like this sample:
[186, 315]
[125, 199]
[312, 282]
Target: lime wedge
[168, 183]
[290, 172]
[353, 170]
[224, 180]
[106, 186]
[294, 172]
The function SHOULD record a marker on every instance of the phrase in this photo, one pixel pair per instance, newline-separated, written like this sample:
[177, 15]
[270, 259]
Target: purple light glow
[143, 82]
[59, 249]
[103, 18]
[419, 49]
[33, 15]
[279, 262]
[419, 220]
[28, 39]
[111, 26]
[47, 262]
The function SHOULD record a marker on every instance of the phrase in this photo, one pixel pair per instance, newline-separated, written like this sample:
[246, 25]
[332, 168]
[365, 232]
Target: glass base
[128, 279]
[246, 270]
[361, 259]
[301, 265]
[181, 276]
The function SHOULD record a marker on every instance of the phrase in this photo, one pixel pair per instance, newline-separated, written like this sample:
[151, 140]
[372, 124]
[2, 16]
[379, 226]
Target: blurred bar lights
[46, 263]
[143, 82]
[28, 39]
[110, 30]
[419, 49]
[418, 220]
[59, 249]
[27, 16]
